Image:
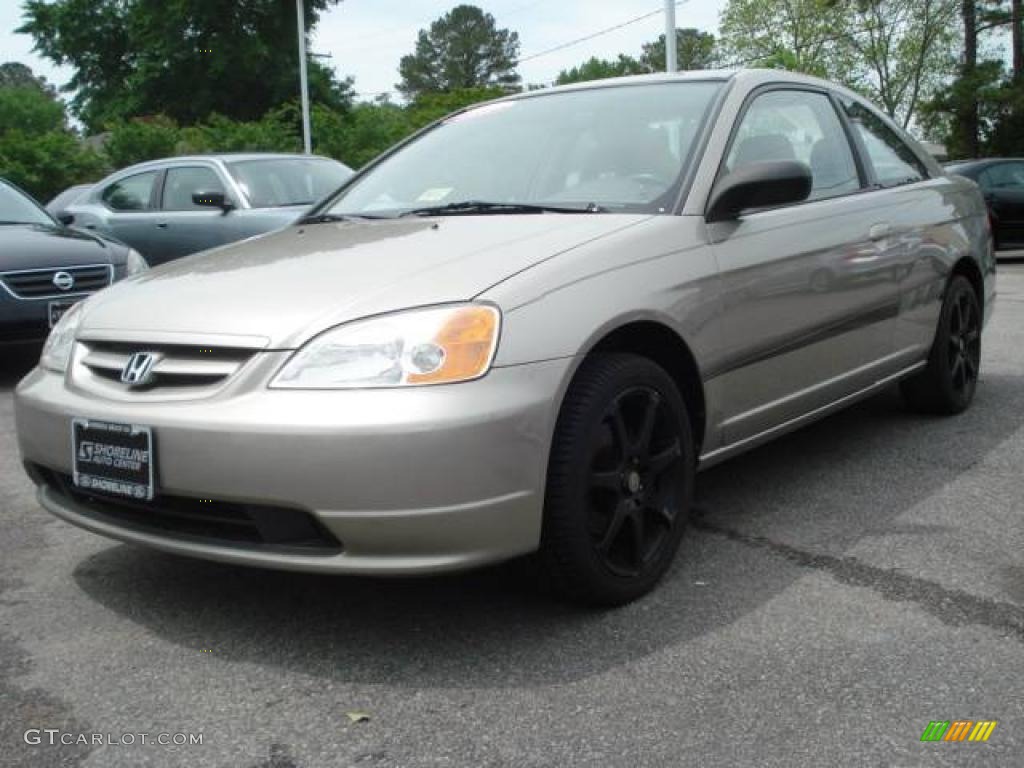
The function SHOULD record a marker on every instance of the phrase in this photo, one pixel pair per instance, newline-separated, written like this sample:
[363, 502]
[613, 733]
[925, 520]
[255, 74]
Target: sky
[366, 38]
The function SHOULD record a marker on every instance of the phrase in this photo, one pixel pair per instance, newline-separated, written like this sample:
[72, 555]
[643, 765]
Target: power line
[591, 36]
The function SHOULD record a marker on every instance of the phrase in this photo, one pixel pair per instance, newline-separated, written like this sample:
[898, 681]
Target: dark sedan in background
[1002, 182]
[173, 207]
[45, 268]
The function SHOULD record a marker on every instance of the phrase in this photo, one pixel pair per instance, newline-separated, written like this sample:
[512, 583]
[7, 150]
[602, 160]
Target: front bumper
[23, 321]
[408, 480]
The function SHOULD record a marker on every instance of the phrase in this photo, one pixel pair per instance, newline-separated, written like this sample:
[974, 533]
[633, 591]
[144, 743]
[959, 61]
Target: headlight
[57, 350]
[439, 345]
[134, 263]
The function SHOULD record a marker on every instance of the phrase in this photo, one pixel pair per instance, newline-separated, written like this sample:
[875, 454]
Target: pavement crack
[953, 607]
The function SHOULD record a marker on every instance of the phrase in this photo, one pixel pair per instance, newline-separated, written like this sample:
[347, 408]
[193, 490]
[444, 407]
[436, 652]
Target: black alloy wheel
[620, 479]
[948, 382]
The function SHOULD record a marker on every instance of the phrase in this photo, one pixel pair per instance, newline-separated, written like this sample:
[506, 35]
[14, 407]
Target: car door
[184, 227]
[125, 209]
[1003, 185]
[810, 294]
[924, 228]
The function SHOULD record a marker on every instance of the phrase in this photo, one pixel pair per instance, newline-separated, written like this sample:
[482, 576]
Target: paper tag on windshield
[434, 194]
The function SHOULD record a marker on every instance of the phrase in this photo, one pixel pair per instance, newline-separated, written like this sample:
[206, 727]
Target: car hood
[38, 246]
[280, 289]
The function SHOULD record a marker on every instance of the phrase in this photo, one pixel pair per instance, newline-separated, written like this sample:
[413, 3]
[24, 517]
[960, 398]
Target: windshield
[276, 182]
[18, 208]
[619, 148]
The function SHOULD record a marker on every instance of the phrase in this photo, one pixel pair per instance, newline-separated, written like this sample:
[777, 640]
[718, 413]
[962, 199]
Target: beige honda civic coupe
[523, 330]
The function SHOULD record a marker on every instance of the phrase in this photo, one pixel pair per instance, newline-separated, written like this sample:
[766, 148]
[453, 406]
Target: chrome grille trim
[181, 369]
[37, 284]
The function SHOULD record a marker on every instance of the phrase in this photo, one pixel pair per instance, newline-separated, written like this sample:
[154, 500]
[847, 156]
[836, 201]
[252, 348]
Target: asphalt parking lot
[843, 587]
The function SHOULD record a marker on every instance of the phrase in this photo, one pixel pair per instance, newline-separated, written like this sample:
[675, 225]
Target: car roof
[223, 157]
[979, 163]
[748, 77]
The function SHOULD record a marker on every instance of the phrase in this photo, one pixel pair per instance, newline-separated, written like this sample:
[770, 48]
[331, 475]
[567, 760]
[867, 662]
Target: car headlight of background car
[57, 350]
[134, 263]
[437, 345]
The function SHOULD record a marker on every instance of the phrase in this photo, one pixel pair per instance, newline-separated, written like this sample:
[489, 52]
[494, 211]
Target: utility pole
[307, 142]
[671, 64]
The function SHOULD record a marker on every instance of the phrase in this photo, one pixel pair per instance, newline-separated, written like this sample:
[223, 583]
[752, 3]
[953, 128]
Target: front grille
[39, 283]
[177, 367]
[253, 526]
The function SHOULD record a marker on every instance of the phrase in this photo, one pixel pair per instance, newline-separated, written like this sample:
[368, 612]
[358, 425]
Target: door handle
[162, 225]
[879, 231]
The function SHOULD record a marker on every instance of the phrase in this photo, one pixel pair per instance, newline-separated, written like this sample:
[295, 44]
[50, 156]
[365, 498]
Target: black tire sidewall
[566, 544]
[957, 401]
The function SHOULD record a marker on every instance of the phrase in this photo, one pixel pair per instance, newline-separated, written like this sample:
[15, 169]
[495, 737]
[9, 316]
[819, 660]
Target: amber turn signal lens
[468, 338]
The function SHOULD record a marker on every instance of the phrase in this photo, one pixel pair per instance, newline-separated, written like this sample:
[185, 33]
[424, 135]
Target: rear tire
[619, 484]
[947, 384]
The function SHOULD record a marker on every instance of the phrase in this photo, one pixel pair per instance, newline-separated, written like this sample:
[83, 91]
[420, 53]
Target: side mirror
[212, 200]
[758, 185]
[65, 218]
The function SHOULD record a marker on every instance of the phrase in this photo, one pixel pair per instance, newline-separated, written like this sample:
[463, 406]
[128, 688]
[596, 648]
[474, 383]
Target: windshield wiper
[483, 206]
[326, 218]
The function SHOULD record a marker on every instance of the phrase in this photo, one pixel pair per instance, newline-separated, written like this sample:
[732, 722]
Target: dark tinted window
[132, 193]
[801, 126]
[894, 162]
[181, 183]
[1003, 176]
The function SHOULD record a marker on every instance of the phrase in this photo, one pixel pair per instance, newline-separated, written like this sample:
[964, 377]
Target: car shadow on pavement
[821, 489]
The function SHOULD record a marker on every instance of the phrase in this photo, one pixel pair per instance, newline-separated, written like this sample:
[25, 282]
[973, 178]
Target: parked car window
[132, 193]
[67, 197]
[276, 182]
[894, 162]
[801, 126]
[18, 208]
[1002, 176]
[619, 147]
[181, 183]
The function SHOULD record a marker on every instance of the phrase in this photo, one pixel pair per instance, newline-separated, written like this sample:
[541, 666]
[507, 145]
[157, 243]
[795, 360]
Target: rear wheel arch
[969, 268]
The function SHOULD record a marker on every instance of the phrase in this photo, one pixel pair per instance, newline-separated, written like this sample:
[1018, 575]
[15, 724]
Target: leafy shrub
[140, 139]
[44, 164]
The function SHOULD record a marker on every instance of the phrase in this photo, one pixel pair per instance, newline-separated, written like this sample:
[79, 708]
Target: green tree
[185, 58]
[981, 110]
[599, 69]
[362, 133]
[900, 51]
[37, 151]
[140, 139]
[801, 35]
[43, 164]
[462, 49]
[695, 49]
[276, 131]
[29, 109]
[14, 74]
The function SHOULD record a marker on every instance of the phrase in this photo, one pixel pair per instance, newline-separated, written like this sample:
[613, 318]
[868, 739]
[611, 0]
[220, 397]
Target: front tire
[947, 384]
[620, 480]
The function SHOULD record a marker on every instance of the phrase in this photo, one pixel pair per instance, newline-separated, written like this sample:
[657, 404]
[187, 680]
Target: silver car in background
[521, 331]
[170, 208]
